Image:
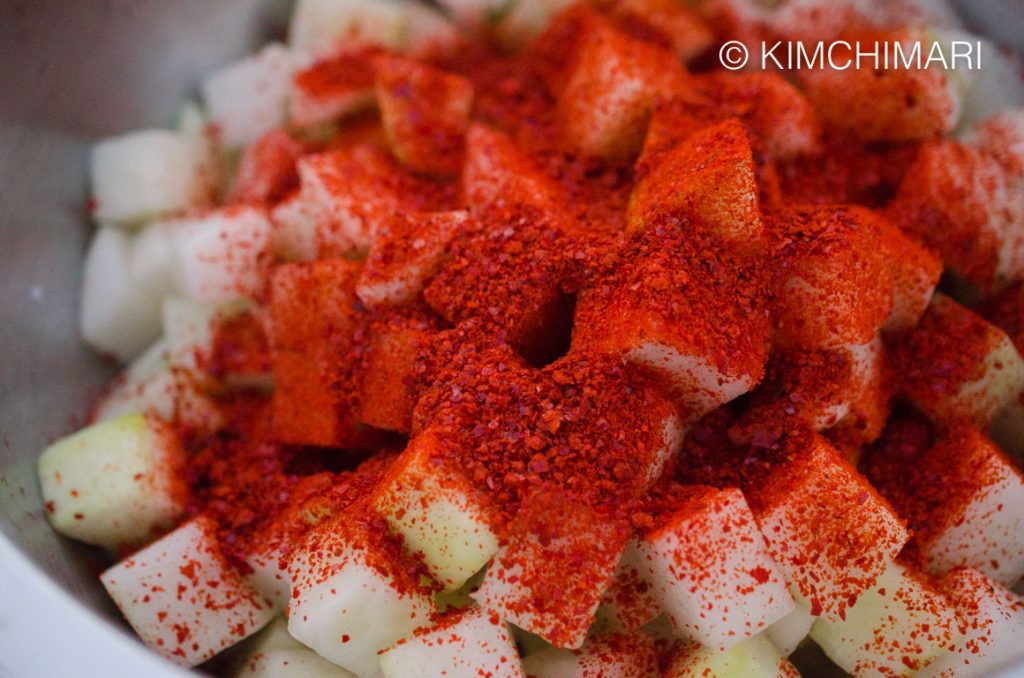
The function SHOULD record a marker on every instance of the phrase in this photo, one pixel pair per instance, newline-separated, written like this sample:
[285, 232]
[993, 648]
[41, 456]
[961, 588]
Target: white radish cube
[437, 512]
[629, 603]
[606, 655]
[189, 328]
[406, 255]
[118, 316]
[787, 633]
[755, 657]
[115, 483]
[827, 529]
[183, 598]
[350, 598]
[247, 99]
[992, 619]
[317, 25]
[147, 173]
[915, 273]
[895, 628]
[709, 570]
[293, 233]
[268, 576]
[224, 255]
[468, 644]
[275, 654]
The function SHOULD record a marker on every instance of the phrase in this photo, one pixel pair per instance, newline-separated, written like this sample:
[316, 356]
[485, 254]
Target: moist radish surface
[521, 338]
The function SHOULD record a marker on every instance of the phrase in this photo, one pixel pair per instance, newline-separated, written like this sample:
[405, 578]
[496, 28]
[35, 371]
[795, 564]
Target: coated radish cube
[628, 603]
[437, 511]
[275, 654]
[183, 598]
[336, 86]
[907, 104]
[467, 644]
[353, 595]
[267, 169]
[189, 332]
[607, 101]
[836, 285]
[148, 173]
[604, 655]
[707, 179]
[247, 99]
[425, 112]
[317, 25]
[116, 483]
[293, 229]
[787, 633]
[915, 274]
[896, 627]
[955, 366]
[387, 396]
[1001, 136]
[755, 657]
[224, 255]
[550, 573]
[706, 562]
[407, 253]
[827, 529]
[992, 620]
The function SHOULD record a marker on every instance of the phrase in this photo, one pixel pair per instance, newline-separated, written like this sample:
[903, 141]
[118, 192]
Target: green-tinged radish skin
[183, 598]
[437, 512]
[755, 657]
[224, 255]
[828, 530]
[351, 596]
[604, 655]
[709, 570]
[247, 99]
[787, 633]
[147, 173]
[468, 644]
[275, 654]
[116, 483]
[992, 620]
[895, 628]
[958, 367]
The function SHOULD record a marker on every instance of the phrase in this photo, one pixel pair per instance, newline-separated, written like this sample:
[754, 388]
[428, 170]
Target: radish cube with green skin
[709, 570]
[352, 597]
[958, 367]
[224, 255]
[895, 628]
[183, 598]
[992, 620]
[293, 229]
[247, 99]
[787, 633]
[318, 25]
[827, 529]
[755, 657]
[407, 253]
[116, 483]
[604, 655]
[275, 654]
[437, 512]
[469, 644]
[147, 173]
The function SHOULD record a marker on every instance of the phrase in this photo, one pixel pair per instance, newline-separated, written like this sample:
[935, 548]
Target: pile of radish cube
[902, 561]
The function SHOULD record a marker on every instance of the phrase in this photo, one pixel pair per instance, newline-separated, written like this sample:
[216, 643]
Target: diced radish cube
[386, 396]
[336, 86]
[247, 99]
[275, 654]
[787, 633]
[425, 112]
[114, 483]
[293, 232]
[629, 603]
[353, 595]
[190, 329]
[606, 655]
[827, 529]
[915, 273]
[438, 512]
[224, 255]
[469, 644]
[147, 173]
[406, 255]
[992, 620]
[183, 598]
[267, 169]
[895, 628]
[706, 562]
[322, 24]
[956, 366]
[755, 657]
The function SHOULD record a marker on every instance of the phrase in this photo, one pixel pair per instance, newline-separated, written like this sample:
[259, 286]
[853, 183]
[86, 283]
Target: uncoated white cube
[247, 99]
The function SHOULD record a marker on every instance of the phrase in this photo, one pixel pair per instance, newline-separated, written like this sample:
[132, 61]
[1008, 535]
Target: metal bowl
[70, 73]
